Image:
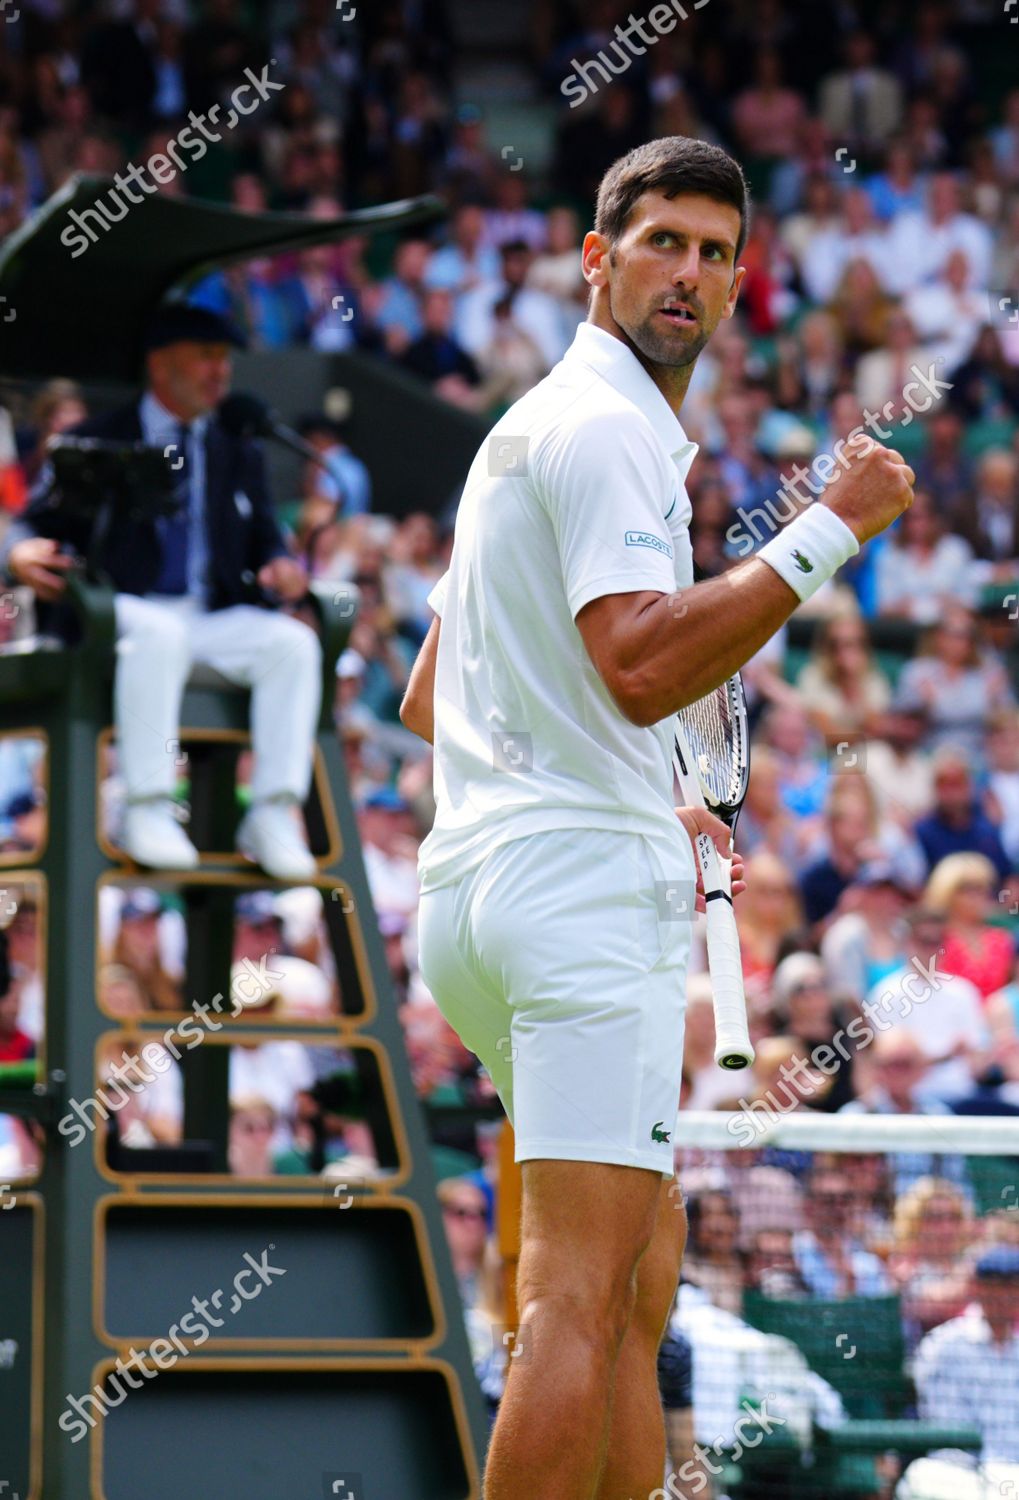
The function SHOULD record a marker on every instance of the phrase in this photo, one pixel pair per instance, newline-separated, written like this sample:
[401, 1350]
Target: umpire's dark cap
[182, 322]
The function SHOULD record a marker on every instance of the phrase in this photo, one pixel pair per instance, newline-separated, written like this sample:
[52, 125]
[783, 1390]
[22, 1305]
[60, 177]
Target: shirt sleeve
[607, 488]
[437, 598]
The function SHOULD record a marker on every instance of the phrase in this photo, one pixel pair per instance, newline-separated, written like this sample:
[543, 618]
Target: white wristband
[810, 549]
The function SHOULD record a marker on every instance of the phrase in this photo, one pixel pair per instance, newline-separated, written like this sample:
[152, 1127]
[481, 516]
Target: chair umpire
[195, 588]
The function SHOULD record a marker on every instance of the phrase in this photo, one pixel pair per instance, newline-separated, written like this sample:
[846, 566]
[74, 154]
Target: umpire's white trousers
[159, 640]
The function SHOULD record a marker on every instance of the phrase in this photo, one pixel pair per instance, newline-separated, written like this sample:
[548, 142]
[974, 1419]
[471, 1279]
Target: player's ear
[595, 259]
[733, 297]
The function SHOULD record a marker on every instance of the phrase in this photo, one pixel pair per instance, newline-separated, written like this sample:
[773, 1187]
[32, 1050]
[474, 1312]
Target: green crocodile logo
[657, 1133]
[803, 563]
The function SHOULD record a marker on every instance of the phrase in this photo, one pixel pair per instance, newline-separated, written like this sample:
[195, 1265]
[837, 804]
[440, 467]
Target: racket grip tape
[733, 1049]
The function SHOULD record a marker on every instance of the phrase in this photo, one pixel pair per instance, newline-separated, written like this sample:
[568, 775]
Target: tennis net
[849, 1309]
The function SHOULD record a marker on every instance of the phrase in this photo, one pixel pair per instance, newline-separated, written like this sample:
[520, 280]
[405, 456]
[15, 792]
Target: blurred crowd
[915, 1257]
[881, 829]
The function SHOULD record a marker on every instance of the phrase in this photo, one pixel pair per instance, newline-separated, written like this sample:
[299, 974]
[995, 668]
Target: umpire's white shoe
[153, 836]
[272, 835]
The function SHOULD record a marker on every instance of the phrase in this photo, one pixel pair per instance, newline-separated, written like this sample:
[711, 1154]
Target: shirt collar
[154, 415]
[979, 1330]
[610, 358]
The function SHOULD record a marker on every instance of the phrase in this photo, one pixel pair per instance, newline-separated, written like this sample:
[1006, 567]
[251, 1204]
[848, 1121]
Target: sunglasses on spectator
[458, 1211]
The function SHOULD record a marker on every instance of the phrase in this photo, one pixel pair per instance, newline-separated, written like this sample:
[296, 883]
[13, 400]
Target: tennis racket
[712, 764]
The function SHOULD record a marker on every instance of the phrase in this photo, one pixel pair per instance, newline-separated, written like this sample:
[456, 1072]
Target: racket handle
[733, 1049]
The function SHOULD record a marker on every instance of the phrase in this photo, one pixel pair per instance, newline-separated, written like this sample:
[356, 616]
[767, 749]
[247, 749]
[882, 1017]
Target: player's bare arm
[658, 652]
[417, 711]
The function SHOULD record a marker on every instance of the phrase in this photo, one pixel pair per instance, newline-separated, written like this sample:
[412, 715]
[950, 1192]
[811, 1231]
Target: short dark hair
[672, 164]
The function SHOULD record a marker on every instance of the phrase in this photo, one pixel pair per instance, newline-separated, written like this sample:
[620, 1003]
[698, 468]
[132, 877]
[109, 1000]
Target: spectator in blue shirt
[465, 262]
[897, 189]
[399, 311]
[967, 1369]
[831, 1261]
[956, 824]
[345, 482]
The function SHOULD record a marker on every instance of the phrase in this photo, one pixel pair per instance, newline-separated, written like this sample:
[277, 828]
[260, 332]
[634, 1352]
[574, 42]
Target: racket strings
[715, 729]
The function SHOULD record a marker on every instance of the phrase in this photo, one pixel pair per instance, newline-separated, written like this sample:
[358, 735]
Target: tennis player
[557, 882]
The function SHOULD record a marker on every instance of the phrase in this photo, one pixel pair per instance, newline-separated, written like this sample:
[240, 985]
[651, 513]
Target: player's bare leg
[585, 1227]
[635, 1458]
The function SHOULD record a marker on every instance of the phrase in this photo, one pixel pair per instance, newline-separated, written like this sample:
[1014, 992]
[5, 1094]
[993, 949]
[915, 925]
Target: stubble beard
[659, 349]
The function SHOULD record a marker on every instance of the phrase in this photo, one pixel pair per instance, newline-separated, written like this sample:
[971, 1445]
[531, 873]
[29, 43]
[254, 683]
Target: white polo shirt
[577, 492]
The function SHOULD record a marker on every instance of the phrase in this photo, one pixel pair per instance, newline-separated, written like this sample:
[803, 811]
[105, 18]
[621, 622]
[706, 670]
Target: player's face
[671, 277]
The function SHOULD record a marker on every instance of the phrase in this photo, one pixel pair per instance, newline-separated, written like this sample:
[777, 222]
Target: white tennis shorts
[561, 962]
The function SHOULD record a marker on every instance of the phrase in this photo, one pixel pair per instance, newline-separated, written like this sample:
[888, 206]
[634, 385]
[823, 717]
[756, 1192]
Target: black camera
[131, 480]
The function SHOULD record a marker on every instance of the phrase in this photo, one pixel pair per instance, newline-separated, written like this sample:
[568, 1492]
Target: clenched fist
[873, 491]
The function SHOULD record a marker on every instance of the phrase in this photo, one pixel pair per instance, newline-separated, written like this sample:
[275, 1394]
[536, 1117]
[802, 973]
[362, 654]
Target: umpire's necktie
[198, 547]
[175, 529]
[860, 109]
